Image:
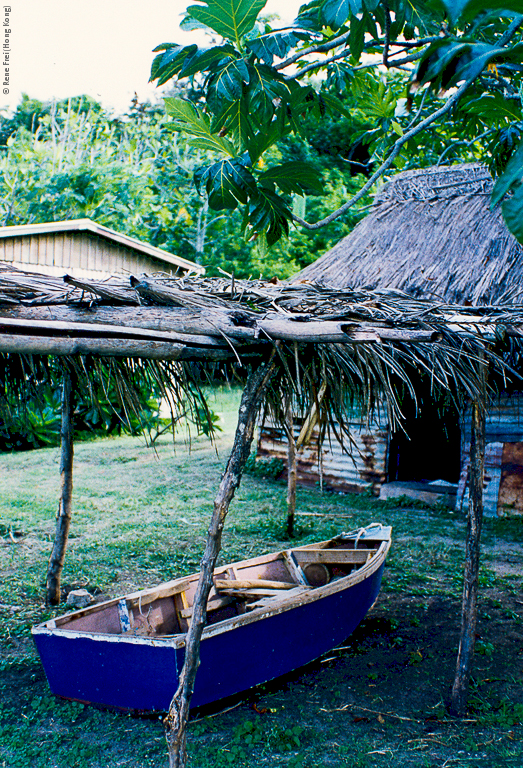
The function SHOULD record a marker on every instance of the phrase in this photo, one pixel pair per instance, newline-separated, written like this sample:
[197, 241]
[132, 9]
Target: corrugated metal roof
[86, 225]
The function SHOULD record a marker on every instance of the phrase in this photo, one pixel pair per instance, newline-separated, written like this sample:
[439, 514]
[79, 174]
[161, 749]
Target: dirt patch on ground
[383, 694]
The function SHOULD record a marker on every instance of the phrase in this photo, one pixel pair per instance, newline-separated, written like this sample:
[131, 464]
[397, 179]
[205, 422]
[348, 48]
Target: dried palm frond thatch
[361, 346]
[431, 233]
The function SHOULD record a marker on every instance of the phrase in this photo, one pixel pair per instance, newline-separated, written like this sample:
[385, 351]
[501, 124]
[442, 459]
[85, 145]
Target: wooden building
[83, 248]
[431, 234]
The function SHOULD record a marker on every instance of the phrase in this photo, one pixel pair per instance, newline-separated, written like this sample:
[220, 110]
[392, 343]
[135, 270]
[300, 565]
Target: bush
[36, 421]
[270, 469]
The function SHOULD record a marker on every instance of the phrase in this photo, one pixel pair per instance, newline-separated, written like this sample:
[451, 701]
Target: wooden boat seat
[333, 556]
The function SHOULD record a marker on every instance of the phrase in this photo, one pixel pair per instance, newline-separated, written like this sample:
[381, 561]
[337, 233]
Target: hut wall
[359, 466]
[81, 254]
[503, 490]
[364, 465]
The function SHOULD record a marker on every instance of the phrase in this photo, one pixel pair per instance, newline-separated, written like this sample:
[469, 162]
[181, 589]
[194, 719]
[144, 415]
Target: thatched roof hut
[430, 233]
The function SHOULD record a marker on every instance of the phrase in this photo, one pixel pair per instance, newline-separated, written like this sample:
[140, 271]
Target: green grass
[140, 517]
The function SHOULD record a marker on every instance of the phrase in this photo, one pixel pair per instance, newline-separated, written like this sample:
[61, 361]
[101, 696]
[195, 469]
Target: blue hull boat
[266, 617]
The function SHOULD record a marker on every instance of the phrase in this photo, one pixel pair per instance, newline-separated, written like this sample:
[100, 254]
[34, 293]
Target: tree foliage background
[133, 173]
[268, 148]
[272, 140]
[431, 81]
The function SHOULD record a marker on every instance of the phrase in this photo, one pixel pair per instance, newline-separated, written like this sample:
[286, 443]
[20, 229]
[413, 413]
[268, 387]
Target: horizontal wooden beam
[113, 331]
[152, 350]
[210, 326]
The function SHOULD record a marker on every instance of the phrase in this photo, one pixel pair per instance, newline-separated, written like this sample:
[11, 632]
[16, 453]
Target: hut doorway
[431, 447]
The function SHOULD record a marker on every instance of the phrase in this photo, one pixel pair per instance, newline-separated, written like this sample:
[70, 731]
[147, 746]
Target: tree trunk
[63, 516]
[176, 721]
[291, 469]
[469, 606]
[201, 231]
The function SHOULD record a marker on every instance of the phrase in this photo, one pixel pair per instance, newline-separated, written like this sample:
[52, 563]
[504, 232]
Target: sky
[103, 48]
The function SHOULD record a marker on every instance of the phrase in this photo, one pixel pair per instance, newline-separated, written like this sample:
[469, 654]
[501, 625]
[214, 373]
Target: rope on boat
[358, 533]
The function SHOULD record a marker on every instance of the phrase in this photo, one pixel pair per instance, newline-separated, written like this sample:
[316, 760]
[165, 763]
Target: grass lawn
[140, 517]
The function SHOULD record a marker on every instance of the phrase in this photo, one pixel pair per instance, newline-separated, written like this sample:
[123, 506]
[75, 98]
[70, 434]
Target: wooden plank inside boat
[332, 556]
[251, 584]
[294, 569]
[213, 605]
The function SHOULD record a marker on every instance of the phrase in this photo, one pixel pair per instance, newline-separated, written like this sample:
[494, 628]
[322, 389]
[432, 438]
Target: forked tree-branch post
[469, 608]
[176, 719]
[63, 516]
[291, 468]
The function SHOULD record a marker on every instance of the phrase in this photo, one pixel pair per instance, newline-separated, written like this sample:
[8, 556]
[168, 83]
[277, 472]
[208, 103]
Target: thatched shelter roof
[368, 343]
[431, 233]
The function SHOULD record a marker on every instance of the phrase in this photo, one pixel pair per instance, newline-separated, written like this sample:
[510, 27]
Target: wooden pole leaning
[469, 606]
[291, 467]
[63, 516]
[176, 720]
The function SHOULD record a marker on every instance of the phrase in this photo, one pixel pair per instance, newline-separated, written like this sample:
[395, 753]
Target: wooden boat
[266, 616]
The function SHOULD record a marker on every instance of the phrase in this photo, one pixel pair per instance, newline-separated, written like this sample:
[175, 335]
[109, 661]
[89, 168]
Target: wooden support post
[63, 516]
[469, 608]
[291, 468]
[176, 720]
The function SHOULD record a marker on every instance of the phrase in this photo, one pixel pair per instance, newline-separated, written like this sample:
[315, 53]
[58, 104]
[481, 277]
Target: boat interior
[256, 584]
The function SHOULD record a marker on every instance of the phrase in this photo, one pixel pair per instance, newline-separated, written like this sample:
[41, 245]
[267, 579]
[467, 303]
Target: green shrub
[270, 469]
